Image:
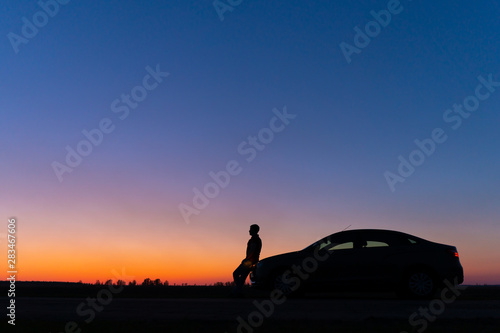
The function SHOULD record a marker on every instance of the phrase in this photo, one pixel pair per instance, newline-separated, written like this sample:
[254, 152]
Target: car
[363, 259]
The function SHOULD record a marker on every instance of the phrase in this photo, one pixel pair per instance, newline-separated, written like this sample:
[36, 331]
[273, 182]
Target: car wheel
[420, 283]
[286, 283]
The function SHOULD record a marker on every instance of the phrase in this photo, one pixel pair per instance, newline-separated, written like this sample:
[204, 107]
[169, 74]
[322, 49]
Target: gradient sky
[325, 171]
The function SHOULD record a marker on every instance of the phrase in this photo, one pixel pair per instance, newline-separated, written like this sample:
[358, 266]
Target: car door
[340, 267]
[376, 259]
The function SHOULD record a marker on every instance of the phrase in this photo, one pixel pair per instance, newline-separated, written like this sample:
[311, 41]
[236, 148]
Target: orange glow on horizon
[200, 253]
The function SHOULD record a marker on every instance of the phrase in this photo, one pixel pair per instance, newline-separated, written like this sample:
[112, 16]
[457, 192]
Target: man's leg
[240, 275]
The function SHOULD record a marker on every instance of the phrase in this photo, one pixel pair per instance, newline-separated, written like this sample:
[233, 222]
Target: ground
[477, 309]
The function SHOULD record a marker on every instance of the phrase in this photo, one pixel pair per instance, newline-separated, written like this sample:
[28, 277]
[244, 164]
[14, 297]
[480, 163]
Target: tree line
[156, 282]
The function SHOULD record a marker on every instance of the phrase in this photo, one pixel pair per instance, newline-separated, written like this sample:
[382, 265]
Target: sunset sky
[230, 82]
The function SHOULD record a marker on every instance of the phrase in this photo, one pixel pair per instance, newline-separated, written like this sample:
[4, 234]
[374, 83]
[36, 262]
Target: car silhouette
[364, 259]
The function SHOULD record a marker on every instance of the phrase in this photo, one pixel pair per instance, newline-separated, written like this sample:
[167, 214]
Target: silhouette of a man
[254, 246]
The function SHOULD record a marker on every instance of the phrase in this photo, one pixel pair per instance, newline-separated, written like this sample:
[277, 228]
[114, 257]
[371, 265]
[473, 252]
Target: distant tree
[157, 282]
[120, 283]
[132, 283]
[80, 282]
[165, 283]
[108, 282]
[229, 284]
[97, 283]
[147, 282]
[218, 284]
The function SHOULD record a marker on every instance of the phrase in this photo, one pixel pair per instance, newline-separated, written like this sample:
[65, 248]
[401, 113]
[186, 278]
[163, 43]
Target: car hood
[282, 259]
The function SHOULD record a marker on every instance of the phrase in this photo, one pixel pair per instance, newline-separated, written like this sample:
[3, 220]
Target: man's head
[254, 229]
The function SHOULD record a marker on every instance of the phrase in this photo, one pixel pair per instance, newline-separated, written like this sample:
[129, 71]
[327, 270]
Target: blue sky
[323, 172]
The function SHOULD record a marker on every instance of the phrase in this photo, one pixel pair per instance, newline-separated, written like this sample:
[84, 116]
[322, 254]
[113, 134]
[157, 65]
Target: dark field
[49, 307]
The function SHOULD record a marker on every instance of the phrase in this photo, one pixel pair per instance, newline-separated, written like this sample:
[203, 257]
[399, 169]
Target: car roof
[377, 231]
[395, 233]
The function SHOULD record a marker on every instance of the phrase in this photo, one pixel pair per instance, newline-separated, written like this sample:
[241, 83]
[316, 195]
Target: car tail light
[453, 252]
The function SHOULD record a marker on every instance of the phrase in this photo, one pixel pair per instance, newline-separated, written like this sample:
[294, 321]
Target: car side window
[412, 241]
[342, 246]
[338, 246]
[337, 243]
[324, 244]
[375, 244]
[378, 240]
